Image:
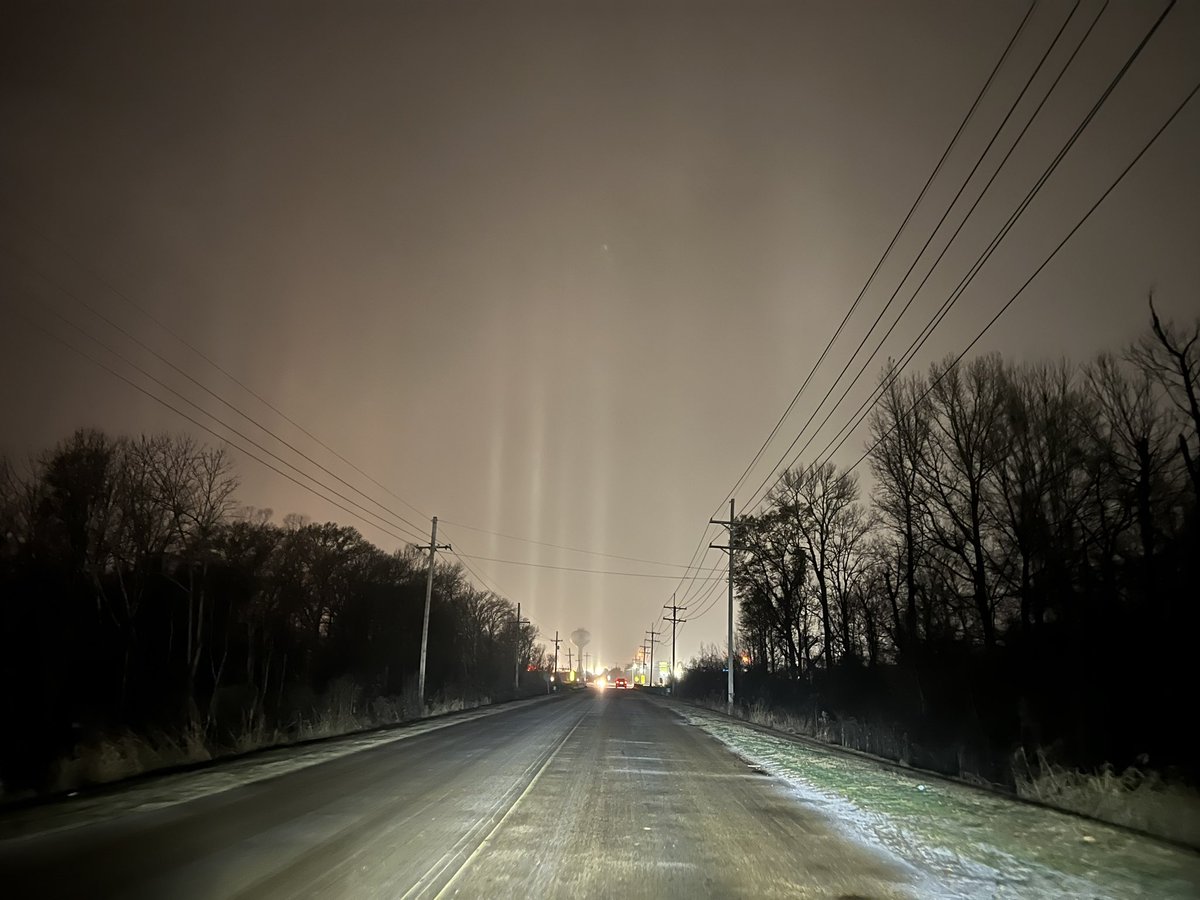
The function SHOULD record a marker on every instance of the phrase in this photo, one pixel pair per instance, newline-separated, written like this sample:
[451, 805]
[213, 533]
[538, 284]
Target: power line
[141, 344]
[259, 446]
[692, 565]
[966, 181]
[225, 425]
[70, 294]
[695, 587]
[937, 168]
[1062, 153]
[892, 243]
[225, 439]
[512, 537]
[62, 248]
[46, 332]
[33, 226]
[487, 583]
[1191, 94]
[413, 534]
[941, 313]
[517, 562]
[700, 598]
[974, 269]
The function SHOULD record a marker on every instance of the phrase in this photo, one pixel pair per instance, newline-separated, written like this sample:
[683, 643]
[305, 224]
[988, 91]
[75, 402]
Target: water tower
[581, 637]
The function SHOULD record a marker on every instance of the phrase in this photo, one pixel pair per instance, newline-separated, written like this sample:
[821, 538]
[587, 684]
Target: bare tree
[1171, 357]
[900, 429]
[771, 574]
[848, 574]
[817, 503]
[967, 443]
[1129, 441]
[1040, 485]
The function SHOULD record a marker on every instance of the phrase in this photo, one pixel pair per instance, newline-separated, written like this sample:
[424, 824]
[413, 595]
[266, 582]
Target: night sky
[554, 270]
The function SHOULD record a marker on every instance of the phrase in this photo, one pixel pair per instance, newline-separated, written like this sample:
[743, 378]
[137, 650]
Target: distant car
[621, 684]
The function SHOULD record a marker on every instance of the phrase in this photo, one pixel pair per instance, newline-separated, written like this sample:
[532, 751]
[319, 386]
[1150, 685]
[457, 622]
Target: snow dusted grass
[1132, 798]
[965, 842]
[170, 789]
[123, 755]
[862, 736]
[115, 757]
[338, 720]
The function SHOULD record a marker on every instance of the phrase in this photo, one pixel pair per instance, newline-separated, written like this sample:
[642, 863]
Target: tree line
[1022, 573]
[138, 595]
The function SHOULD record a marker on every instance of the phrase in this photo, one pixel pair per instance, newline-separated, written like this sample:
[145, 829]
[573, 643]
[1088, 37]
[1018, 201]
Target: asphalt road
[593, 795]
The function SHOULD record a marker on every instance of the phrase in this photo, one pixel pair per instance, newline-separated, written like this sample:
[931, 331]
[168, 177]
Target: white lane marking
[529, 787]
[172, 789]
[661, 759]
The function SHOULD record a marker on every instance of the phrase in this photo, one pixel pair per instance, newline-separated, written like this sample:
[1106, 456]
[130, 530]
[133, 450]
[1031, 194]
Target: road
[591, 795]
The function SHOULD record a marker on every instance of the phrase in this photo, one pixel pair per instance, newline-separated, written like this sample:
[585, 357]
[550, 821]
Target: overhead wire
[700, 599]
[1003, 309]
[976, 266]
[487, 583]
[83, 353]
[138, 342]
[189, 418]
[117, 292]
[518, 562]
[966, 119]
[1079, 224]
[512, 537]
[945, 308]
[933, 233]
[887, 250]
[940, 314]
[223, 424]
[704, 537]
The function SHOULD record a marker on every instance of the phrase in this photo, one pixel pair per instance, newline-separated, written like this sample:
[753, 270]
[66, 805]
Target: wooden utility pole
[433, 548]
[517, 662]
[652, 634]
[730, 547]
[674, 620]
[554, 668]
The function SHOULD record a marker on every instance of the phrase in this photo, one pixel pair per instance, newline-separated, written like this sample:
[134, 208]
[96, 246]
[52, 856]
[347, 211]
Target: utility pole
[645, 668]
[517, 661]
[433, 548]
[570, 665]
[554, 668]
[730, 547]
[653, 634]
[674, 620]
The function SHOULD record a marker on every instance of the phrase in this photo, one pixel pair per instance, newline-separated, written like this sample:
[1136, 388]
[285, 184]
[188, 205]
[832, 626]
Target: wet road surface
[597, 794]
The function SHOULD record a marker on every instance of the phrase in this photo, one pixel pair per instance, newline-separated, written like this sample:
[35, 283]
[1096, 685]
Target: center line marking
[529, 787]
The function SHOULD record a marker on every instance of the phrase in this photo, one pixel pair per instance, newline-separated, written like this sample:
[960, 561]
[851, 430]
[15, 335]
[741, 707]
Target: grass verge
[1141, 801]
[116, 756]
